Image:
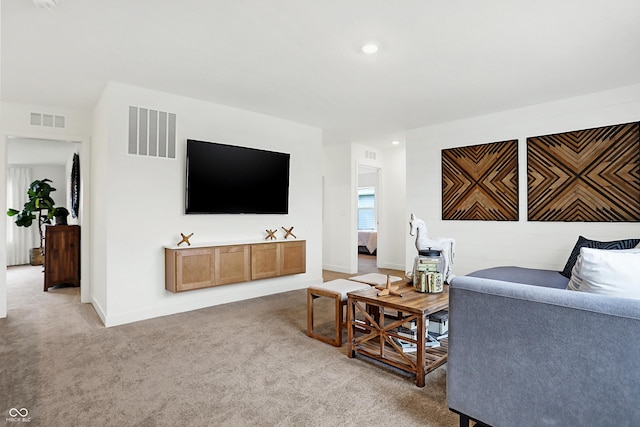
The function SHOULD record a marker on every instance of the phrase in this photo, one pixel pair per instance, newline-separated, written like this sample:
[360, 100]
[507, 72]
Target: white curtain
[20, 240]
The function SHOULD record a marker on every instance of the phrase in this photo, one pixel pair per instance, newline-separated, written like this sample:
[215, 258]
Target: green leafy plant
[40, 207]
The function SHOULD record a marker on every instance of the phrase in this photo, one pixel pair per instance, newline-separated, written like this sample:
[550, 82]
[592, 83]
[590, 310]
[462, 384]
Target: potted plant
[40, 207]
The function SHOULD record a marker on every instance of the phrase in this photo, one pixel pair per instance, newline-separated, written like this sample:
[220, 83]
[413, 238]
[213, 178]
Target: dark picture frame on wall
[590, 175]
[480, 182]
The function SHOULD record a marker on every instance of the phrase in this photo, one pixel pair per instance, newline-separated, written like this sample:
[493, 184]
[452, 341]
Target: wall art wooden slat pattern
[480, 182]
[590, 175]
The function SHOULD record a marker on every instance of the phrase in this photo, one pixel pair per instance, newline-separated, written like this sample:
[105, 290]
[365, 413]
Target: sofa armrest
[529, 355]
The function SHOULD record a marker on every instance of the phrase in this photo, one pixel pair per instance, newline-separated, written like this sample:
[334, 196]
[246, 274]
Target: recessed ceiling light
[370, 48]
[395, 142]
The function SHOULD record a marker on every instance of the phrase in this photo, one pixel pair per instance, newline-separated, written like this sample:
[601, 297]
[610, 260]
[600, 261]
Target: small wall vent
[369, 154]
[152, 133]
[47, 120]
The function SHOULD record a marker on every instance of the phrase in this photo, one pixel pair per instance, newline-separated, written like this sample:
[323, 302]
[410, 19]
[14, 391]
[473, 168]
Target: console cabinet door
[232, 264]
[277, 259]
[194, 269]
[265, 260]
[293, 257]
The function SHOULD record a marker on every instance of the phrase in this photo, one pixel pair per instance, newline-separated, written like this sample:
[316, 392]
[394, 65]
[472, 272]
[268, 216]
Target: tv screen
[225, 179]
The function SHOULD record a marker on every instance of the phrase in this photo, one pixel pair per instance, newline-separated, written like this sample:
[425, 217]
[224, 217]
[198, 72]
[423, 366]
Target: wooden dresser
[61, 255]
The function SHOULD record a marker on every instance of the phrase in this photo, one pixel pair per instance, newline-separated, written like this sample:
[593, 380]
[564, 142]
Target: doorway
[27, 160]
[368, 201]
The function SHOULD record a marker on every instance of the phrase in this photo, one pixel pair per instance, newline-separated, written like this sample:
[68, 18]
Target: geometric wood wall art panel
[480, 182]
[588, 175]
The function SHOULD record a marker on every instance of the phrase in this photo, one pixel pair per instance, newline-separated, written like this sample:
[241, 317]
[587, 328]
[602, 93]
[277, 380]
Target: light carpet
[238, 364]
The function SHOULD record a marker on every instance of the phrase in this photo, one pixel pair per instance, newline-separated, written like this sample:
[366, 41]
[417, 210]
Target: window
[366, 208]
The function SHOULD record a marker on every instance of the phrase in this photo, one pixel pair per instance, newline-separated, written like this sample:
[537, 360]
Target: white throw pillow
[607, 272]
[576, 275]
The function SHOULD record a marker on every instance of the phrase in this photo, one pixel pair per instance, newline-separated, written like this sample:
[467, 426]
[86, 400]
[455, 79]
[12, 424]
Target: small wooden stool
[336, 289]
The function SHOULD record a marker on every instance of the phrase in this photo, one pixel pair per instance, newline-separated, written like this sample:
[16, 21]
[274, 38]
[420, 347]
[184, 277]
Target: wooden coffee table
[371, 333]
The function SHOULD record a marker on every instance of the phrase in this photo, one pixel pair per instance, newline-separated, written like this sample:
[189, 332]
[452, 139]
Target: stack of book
[439, 322]
[427, 278]
[409, 330]
[436, 331]
[412, 347]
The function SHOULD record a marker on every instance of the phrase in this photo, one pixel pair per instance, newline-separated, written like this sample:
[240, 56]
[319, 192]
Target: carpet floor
[239, 364]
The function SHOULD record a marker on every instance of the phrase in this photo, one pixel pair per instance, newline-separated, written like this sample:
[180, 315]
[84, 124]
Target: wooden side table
[372, 335]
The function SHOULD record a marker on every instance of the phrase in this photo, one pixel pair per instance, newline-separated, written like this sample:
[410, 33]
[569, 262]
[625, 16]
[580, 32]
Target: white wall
[338, 225]
[143, 203]
[368, 179]
[391, 236]
[57, 175]
[100, 189]
[482, 244]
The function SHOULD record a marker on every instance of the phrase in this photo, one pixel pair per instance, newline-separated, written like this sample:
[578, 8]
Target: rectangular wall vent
[47, 120]
[369, 154]
[152, 133]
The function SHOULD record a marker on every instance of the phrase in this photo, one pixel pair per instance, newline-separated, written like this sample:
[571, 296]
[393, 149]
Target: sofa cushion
[527, 276]
[583, 242]
[608, 272]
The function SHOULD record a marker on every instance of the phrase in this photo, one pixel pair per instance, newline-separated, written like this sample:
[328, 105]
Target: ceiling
[301, 60]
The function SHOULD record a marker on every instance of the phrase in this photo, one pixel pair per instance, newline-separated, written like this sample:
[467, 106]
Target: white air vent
[152, 133]
[47, 120]
[45, 4]
[369, 154]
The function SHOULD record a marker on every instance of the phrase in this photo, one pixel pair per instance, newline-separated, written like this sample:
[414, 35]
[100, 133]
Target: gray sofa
[524, 351]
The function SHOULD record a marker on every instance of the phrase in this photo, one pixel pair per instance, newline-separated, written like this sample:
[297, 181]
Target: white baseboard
[338, 269]
[99, 311]
[392, 266]
[204, 298]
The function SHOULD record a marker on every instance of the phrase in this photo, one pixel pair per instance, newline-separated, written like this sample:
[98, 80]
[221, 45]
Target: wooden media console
[200, 267]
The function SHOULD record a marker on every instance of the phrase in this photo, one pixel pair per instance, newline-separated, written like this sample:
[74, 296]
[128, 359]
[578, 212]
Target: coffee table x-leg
[372, 335]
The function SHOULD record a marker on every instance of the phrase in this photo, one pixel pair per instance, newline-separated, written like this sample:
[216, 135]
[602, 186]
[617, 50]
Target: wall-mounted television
[226, 179]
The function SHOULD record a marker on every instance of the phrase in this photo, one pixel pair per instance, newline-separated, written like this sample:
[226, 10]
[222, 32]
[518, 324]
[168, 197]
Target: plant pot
[36, 257]
[61, 219]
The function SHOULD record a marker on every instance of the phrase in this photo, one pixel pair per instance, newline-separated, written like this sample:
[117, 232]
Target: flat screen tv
[226, 179]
